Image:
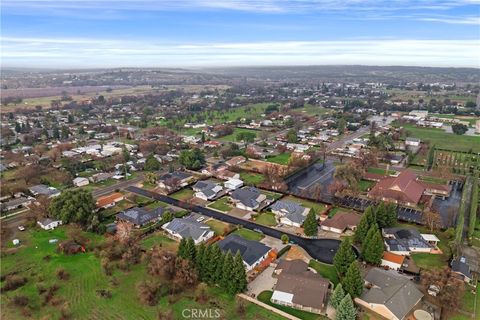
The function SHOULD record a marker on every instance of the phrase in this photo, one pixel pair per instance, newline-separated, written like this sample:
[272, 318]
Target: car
[258, 230]
[21, 228]
[200, 219]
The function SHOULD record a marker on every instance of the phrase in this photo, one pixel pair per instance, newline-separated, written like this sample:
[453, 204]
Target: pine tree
[346, 310]
[239, 276]
[368, 218]
[337, 296]
[310, 226]
[391, 211]
[214, 259]
[344, 256]
[227, 271]
[200, 260]
[181, 249]
[218, 274]
[381, 215]
[190, 250]
[372, 247]
[353, 282]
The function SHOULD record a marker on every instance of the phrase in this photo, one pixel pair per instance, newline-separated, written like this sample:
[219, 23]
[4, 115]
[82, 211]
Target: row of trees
[214, 266]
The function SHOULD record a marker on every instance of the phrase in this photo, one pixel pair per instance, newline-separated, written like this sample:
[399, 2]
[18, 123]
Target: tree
[124, 231]
[432, 220]
[284, 238]
[341, 124]
[151, 178]
[56, 133]
[151, 164]
[459, 128]
[181, 250]
[192, 159]
[76, 205]
[372, 246]
[353, 282]
[344, 257]
[190, 250]
[337, 296]
[349, 175]
[368, 218]
[346, 309]
[430, 158]
[310, 226]
[246, 137]
[213, 259]
[238, 283]
[391, 215]
[200, 260]
[292, 136]
[227, 268]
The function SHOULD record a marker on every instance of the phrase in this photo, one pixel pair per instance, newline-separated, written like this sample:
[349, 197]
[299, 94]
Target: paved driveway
[264, 281]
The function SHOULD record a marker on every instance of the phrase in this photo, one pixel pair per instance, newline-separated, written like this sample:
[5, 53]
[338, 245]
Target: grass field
[434, 180]
[304, 315]
[365, 185]
[249, 234]
[218, 227]
[282, 158]
[313, 110]
[221, 204]
[233, 137]
[325, 270]
[184, 194]
[267, 219]
[87, 276]
[380, 171]
[251, 179]
[318, 207]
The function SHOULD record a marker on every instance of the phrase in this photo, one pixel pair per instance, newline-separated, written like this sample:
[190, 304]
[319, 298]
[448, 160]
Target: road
[121, 185]
[321, 249]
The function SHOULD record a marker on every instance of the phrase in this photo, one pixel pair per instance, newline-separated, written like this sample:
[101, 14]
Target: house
[233, 184]
[299, 288]
[248, 198]
[388, 294]
[212, 144]
[186, 228]
[175, 180]
[44, 190]
[15, 204]
[109, 201]
[99, 177]
[459, 266]
[253, 252]
[413, 142]
[341, 221]
[235, 161]
[392, 260]
[207, 190]
[139, 216]
[49, 224]
[403, 241]
[80, 182]
[289, 212]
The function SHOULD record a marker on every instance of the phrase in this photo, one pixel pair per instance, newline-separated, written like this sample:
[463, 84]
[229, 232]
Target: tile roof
[392, 257]
[404, 188]
[108, 199]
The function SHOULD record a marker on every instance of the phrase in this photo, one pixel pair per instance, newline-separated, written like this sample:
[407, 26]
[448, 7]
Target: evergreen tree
[151, 164]
[368, 218]
[381, 215]
[181, 251]
[227, 271]
[56, 133]
[337, 296]
[218, 274]
[310, 226]
[353, 282]
[200, 260]
[18, 128]
[372, 247]
[190, 250]
[238, 282]
[346, 309]
[344, 256]
[391, 215]
[213, 259]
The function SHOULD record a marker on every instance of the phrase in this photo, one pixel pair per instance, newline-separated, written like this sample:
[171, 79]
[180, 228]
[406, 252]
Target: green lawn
[233, 137]
[251, 179]
[158, 238]
[267, 219]
[249, 234]
[282, 158]
[156, 204]
[365, 185]
[333, 211]
[221, 204]
[325, 270]
[313, 110]
[218, 227]
[380, 171]
[318, 207]
[304, 315]
[433, 180]
[184, 194]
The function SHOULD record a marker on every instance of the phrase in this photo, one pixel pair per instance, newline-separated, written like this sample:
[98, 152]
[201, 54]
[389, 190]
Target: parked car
[21, 228]
[200, 219]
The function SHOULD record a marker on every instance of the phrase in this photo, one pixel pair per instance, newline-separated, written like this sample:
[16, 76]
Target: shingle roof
[188, 228]
[248, 196]
[291, 210]
[342, 220]
[250, 250]
[140, 216]
[404, 239]
[460, 265]
[176, 174]
[43, 189]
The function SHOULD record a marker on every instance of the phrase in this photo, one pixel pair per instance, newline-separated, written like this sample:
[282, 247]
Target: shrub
[20, 301]
[62, 274]
[13, 282]
[283, 251]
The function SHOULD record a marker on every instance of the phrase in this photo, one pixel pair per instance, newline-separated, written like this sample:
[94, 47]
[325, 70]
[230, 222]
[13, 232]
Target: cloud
[453, 20]
[78, 53]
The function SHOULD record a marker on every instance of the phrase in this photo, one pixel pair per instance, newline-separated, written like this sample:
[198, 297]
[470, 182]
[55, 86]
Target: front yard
[220, 228]
[183, 195]
[221, 204]
[266, 219]
[249, 234]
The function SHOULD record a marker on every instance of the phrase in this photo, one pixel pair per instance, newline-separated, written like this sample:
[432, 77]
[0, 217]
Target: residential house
[341, 221]
[109, 201]
[459, 266]
[15, 203]
[299, 288]
[233, 184]
[248, 198]
[389, 295]
[186, 228]
[99, 177]
[80, 182]
[235, 161]
[49, 224]
[175, 180]
[413, 142]
[392, 261]
[253, 252]
[44, 190]
[207, 190]
[140, 217]
[403, 241]
[289, 212]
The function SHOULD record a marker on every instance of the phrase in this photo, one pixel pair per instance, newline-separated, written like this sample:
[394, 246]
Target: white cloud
[71, 53]
[454, 20]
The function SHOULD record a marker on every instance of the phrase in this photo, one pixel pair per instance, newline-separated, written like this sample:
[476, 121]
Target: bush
[104, 293]
[13, 282]
[20, 301]
[283, 251]
[62, 274]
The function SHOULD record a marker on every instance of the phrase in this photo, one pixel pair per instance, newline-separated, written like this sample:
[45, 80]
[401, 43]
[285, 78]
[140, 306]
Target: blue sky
[198, 33]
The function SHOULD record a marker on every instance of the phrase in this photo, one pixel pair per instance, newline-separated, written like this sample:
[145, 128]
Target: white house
[80, 182]
[49, 224]
[414, 142]
[186, 228]
[207, 190]
[248, 198]
[233, 184]
[392, 260]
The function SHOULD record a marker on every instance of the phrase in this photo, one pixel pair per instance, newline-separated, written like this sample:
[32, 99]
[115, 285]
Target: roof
[46, 221]
[79, 179]
[140, 216]
[392, 257]
[392, 290]
[404, 239]
[251, 251]
[208, 188]
[187, 228]
[430, 237]
[248, 196]
[291, 210]
[460, 265]
[403, 188]
[300, 285]
[43, 189]
[15, 202]
[108, 199]
[342, 220]
[175, 175]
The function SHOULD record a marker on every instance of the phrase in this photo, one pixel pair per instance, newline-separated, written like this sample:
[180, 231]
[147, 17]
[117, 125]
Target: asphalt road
[321, 249]
[120, 185]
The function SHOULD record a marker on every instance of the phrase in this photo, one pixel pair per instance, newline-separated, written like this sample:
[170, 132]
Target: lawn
[434, 180]
[266, 219]
[221, 204]
[251, 179]
[158, 238]
[219, 227]
[87, 276]
[325, 270]
[249, 234]
[333, 211]
[380, 171]
[183, 195]
[233, 137]
[155, 205]
[282, 158]
[365, 185]
[265, 298]
[318, 207]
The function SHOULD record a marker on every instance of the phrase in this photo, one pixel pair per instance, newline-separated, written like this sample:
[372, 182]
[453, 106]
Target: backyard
[325, 270]
[282, 158]
[251, 179]
[318, 207]
[265, 297]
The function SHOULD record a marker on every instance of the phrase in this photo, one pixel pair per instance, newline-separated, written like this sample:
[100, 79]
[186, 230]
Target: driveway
[264, 281]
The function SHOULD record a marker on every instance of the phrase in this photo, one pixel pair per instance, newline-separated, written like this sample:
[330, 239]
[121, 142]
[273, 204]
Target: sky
[210, 33]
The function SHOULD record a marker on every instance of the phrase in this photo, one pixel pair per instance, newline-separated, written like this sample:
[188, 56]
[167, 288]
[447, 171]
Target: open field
[279, 159]
[251, 179]
[313, 110]
[233, 137]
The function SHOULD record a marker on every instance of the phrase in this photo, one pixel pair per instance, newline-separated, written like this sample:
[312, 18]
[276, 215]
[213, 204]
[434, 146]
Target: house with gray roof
[140, 217]
[41, 189]
[389, 294]
[248, 198]
[207, 190]
[289, 212]
[403, 241]
[252, 252]
[15, 203]
[459, 266]
[174, 180]
[187, 228]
